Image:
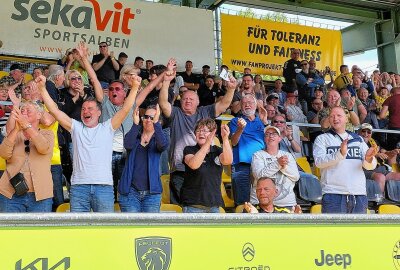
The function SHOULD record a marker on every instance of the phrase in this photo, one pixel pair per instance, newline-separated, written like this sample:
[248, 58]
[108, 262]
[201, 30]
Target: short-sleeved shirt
[192, 78]
[207, 96]
[251, 140]
[393, 104]
[92, 153]
[203, 185]
[281, 210]
[106, 73]
[182, 132]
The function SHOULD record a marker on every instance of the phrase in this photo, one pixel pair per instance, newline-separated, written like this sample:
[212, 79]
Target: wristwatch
[27, 126]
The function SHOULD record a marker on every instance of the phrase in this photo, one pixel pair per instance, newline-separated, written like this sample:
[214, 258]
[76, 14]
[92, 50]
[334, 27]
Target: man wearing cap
[307, 82]
[16, 76]
[341, 155]
[247, 138]
[273, 100]
[278, 90]
[383, 170]
[277, 164]
[294, 112]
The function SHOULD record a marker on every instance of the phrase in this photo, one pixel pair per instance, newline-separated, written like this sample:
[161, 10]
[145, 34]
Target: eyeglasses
[271, 134]
[103, 46]
[202, 131]
[76, 78]
[148, 117]
[115, 89]
[279, 122]
[366, 131]
[27, 149]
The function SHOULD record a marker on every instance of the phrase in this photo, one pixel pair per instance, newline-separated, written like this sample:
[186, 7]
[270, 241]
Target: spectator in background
[122, 59]
[380, 96]
[6, 106]
[28, 151]
[149, 65]
[74, 62]
[183, 122]
[105, 65]
[290, 136]
[271, 113]
[290, 70]
[333, 100]
[209, 92]
[201, 189]
[190, 79]
[385, 159]
[279, 165]
[278, 90]
[307, 82]
[273, 100]
[361, 79]
[247, 70]
[392, 105]
[55, 81]
[247, 138]
[37, 71]
[247, 87]
[370, 106]
[259, 86]
[347, 100]
[205, 73]
[341, 155]
[312, 117]
[140, 186]
[344, 78]
[294, 112]
[17, 76]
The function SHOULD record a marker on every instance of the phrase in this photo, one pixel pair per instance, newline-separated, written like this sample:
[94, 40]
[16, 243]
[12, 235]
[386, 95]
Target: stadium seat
[239, 208]
[393, 190]
[227, 201]
[3, 74]
[63, 208]
[388, 209]
[317, 172]
[28, 77]
[165, 195]
[316, 209]
[303, 163]
[222, 210]
[310, 190]
[117, 208]
[170, 208]
[372, 191]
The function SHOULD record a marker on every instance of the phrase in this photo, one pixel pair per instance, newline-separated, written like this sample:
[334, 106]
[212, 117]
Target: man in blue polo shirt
[247, 138]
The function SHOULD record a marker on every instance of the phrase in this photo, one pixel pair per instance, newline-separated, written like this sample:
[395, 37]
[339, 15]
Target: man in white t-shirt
[92, 182]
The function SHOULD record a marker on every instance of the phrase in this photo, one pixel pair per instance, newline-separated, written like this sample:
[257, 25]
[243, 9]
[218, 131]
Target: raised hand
[41, 83]
[132, 80]
[343, 147]
[372, 151]
[135, 116]
[241, 123]
[83, 50]
[250, 208]
[225, 132]
[283, 161]
[157, 115]
[171, 65]
[210, 137]
[232, 83]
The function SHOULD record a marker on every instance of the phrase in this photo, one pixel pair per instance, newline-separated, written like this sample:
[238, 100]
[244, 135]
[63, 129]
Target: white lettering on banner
[47, 28]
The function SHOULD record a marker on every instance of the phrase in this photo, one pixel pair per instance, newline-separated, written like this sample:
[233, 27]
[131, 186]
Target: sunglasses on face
[148, 117]
[279, 122]
[103, 46]
[27, 149]
[76, 78]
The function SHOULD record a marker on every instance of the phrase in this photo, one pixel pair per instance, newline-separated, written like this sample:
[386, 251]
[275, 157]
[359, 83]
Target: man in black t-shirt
[191, 80]
[105, 65]
[289, 70]
[209, 92]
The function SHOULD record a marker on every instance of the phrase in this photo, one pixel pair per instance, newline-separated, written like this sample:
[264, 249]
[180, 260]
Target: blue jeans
[100, 198]
[117, 164]
[56, 173]
[24, 203]
[164, 167]
[344, 204]
[191, 209]
[140, 202]
[241, 183]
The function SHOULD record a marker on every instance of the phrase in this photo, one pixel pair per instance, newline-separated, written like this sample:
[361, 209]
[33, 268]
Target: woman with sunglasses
[28, 151]
[140, 185]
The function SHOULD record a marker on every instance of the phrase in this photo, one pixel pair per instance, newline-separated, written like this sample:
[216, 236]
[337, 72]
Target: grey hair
[37, 104]
[54, 72]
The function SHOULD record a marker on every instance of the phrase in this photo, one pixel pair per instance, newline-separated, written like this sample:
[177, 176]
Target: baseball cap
[272, 96]
[366, 126]
[16, 66]
[291, 95]
[274, 128]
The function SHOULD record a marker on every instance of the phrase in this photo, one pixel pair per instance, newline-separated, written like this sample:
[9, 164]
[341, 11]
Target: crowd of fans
[121, 126]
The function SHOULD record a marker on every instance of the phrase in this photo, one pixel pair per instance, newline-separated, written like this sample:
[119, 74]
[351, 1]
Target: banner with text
[264, 46]
[47, 28]
[240, 247]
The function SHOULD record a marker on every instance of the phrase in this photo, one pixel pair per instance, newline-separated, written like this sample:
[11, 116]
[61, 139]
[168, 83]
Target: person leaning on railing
[27, 150]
